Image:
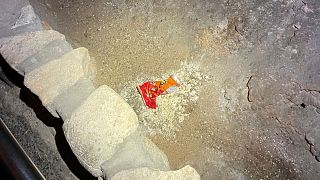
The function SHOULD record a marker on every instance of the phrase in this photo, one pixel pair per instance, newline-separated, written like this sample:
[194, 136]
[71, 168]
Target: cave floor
[239, 126]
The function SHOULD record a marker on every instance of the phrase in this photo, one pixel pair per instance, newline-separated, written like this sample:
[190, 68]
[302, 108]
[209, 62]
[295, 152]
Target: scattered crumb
[172, 109]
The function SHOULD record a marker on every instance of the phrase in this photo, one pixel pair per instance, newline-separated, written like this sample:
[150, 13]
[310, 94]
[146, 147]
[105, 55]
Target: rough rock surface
[185, 173]
[16, 49]
[71, 99]
[98, 127]
[135, 152]
[28, 21]
[17, 16]
[51, 79]
[53, 50]
[286, 87]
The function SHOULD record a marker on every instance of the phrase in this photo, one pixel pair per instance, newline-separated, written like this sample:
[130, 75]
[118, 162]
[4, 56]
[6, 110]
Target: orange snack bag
[150, 90]
[171, 82]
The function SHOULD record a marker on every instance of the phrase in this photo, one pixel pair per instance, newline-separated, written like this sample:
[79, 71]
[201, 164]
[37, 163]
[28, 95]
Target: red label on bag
[150, 90]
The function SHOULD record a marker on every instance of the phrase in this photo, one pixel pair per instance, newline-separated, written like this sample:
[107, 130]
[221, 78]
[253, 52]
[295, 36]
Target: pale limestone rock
[51, 79]
[27, 17]
[185, 173]
[17, 17]
[53, 50]
[72, 98]
[97, 128]
[15, 49]
[137, 151]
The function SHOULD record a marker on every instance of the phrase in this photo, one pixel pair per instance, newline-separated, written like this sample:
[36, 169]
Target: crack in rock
[312, 149]
[249, 89]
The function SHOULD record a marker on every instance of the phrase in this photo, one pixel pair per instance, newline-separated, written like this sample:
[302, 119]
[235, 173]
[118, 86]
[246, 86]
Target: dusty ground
[243, 126]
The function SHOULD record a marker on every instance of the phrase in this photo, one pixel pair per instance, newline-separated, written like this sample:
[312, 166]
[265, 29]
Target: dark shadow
[4, 172]
[10, 74]
[43, 114]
